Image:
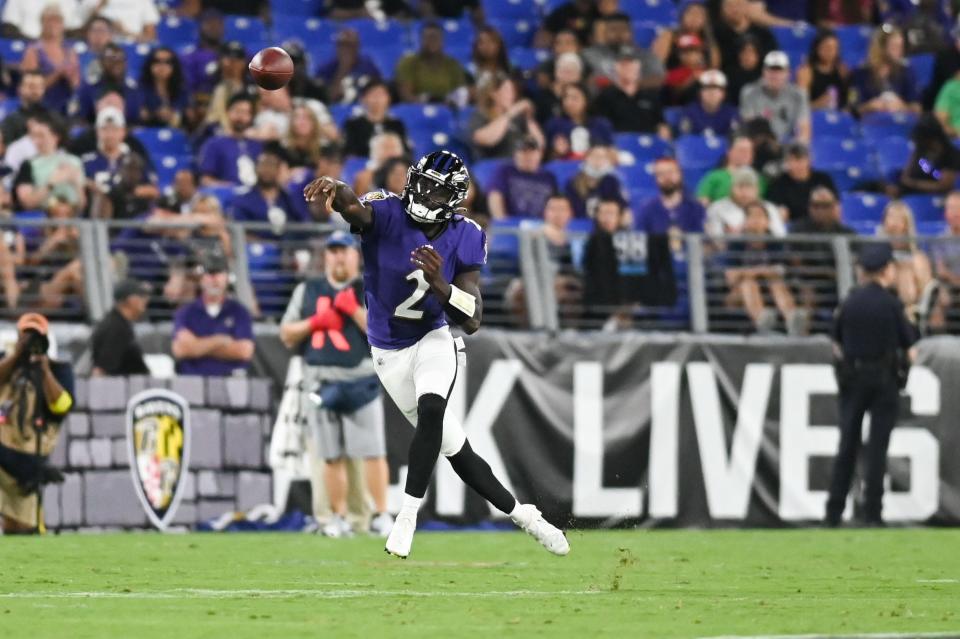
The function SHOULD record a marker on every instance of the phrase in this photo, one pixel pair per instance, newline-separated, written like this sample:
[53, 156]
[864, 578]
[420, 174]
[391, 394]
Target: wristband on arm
[461, 306]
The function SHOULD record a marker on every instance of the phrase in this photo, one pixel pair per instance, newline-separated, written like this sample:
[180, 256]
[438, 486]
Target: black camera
[37, 344]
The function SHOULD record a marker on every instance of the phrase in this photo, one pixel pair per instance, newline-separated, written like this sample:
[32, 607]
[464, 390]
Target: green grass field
[623, 584]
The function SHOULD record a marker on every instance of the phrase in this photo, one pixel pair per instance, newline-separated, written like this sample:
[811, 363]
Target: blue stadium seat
[663, 12]
[264, 257]
[580, 225]
[891, 154]
[637, 177]
[862, 207]
[563, 170]
[837, 124]
[926, 208]
[875, 126]
[8, 106]
[692, 177]
[642, 148]
[426, 141]
[374, 33]
[137, 53]
[461, 51]
[552, 5]
[922, 65]
[698, 151]
[504, 244]
[168, 165]
[386, 58]
[482, 172]
[316, 34]
[351, 166]
[307, 8]
[854, 42]
[461, 30]
[796, 57]
[223, 193]
[837, 153]
[847, 179]
[864, 227]
[249, 31]
[527, 59]
[174, 31]
[343, 112]
[672, 116]
[161, 141]
[794, 38]
[432, 117]
[12, 50]
[516, 33]
[931, 228]
[511, 9]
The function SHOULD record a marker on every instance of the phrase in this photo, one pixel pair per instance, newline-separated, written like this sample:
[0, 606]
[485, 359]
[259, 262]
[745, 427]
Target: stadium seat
[862, 207]
[482, 172]
[837, 124]
[167, 167]
[432, 117]
[837, 153]
[563, 170]
[644, 33]
[426, 141]
[174, 31]
[504, 244]
[697, 151]
[796, 58]
[926, 208]
[351, 166]
[864, 227]
[794, 38]
[8, 106]
[854, 42]
[849, 178]
[264, 257]
[931, 228]
[875, 126]
[922, 65]
[374, 33]
[641, 148]
[516, 33]
[249, 31]
[386, 58]
[306, 8]
[316, 34]
[511, 9]
[343, 112]
[672, 116]
[891, 154]
[11, 51]
[161, 141]
[637, 176]
[663, 12]
[527, 59]
[136, 52]
[580, 225]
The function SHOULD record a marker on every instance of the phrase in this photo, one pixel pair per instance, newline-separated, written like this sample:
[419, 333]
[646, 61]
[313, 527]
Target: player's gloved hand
[346, 301]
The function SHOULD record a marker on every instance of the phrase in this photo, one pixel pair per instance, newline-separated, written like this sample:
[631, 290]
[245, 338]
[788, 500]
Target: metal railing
[68, 269]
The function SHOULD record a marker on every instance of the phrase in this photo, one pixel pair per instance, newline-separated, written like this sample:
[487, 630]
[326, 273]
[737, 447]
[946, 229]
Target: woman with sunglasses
[163, 96]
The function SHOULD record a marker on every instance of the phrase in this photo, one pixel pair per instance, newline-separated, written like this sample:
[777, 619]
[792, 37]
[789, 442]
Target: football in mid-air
[271, 68]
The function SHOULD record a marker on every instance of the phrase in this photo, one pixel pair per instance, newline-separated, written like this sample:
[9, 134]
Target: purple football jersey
[400, 307]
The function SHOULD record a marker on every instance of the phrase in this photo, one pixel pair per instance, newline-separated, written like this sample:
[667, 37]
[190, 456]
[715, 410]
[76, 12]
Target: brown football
[271, 68]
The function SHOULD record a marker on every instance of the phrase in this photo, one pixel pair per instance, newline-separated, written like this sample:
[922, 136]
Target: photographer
[35, 396]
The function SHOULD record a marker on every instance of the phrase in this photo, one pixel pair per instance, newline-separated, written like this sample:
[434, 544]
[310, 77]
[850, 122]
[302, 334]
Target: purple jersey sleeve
[472, 249]
[383, 207]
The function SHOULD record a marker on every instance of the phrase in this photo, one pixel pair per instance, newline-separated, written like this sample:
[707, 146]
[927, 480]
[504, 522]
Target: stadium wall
[648, 429]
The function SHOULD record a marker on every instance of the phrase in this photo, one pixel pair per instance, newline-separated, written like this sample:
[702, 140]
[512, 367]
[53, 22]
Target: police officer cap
[874, 257]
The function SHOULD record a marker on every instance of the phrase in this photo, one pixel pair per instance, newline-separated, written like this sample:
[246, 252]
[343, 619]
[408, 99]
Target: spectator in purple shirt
[673, 212]
[572, 134]
[213, 335]
[200, 64]
[348, 70]
[229, 157]
[711, 114]
[521, 189]
[267, 200]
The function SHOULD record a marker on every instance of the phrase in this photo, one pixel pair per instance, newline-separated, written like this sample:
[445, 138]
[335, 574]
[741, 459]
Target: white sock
[513, 513]
[410, 505]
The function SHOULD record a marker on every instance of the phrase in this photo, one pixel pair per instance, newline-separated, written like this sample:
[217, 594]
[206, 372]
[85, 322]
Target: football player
[422, 264]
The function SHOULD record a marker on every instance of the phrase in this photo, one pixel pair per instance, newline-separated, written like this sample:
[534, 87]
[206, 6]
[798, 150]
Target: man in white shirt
[727, 216]
[136, 19]
[21, 18]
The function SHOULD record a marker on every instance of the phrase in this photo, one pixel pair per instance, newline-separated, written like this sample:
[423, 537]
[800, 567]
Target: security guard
[870, 335]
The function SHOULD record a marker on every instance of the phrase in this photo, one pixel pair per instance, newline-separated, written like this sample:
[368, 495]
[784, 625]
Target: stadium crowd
[595, 119]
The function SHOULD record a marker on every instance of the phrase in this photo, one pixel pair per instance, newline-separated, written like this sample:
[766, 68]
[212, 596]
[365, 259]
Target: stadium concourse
[675, 195]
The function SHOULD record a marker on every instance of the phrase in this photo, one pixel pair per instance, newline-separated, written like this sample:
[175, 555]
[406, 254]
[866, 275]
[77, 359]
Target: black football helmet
[435, 188]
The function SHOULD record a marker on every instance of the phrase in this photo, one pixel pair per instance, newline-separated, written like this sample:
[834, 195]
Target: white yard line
[882, 635]
[202, 593]
[938, 581]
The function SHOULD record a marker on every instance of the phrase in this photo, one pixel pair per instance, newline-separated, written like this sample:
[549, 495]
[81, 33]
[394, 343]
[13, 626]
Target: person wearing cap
[521, 189]
[114, 344]
[325, 323]
[612, 33]
[348, 70]
[626, 104]
[228, 158]
[774, 99]
[213, 335]
[727, 216]
[710, 114]
[102, 165]
[267, 200]
[791, 189]
[871, 341]
[680, 84]
[200, 63]
[429, 74]
[373, 120]
[87, 140]
[36, 394]
[113, 62]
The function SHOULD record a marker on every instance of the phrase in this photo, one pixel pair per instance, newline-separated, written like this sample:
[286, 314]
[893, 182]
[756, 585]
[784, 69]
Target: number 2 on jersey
[406, 308]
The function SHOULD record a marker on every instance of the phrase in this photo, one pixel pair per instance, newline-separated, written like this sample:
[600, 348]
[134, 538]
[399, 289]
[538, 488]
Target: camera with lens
[37, 343]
